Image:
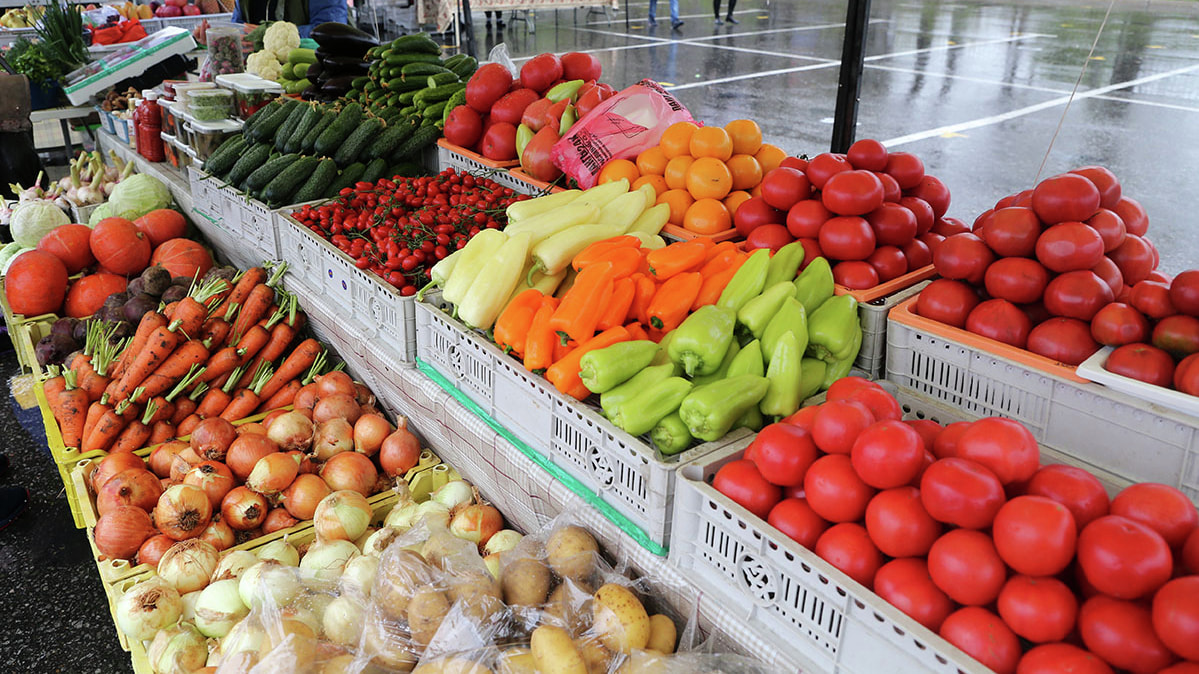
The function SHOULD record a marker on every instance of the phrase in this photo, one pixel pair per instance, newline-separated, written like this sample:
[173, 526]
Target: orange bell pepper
[512, 326]
[677, 258]
[540, 338]
[597, 250]
[617, 311]
[580, 310]
[715, 282]
[673, 301]
[645, 291]
[564, 374]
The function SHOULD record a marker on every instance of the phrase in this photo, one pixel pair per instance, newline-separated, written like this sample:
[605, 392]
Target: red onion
[163, 455]
[183, 512]
[277, 519]
[476, 523]
[211, 438]
[334, 382]
[305, 398]
[337, 406]
[273, 473]
[301, 498]
[243, 509]
[136, 487]
[350, 470]
[245, 452]
[153, 549]
[399, 452]
[291, 431]
[111, 465]
[218, 533]
[120, 532]
[214, 478]
[369, 433]
[332, 437]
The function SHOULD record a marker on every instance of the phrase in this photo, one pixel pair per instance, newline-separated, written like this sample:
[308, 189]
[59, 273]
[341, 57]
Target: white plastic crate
[458, 354]
[321, 268]
[258, 228]
[206, 199]
[449, 157]
[1115, 433]
[873, 317]
[379, 305]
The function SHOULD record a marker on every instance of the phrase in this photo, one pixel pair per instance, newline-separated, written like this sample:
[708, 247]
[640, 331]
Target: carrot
[577, 315]
[677, 258]
[54, 385]
[240, 290]
[192, 312]
[645, 290]
[106, 430]
[253, 341]
[94, 411]
[673, 301]
[189, 424]
[246, 400]
[217, 398]
[257, 305]
[148, 324]
[512, 325]
[158, 348]
[69, 408]
[131, 411]
[600, 249]
[161, 432]
[169, 311]
[183, 409]
[136, 433]
[177, 366]
[540, 340]
[222, 362]
[82, 367]
[292, 367]
[282, 335]
[564, 374]
[214, 332]
[282, 398]
[617, 311]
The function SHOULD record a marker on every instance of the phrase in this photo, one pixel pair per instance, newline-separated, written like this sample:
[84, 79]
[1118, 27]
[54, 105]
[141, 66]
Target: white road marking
[959, 45]
[764, 73]
[966, 78]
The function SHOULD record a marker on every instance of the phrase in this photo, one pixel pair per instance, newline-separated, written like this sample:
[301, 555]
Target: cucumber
[265, 131]
[261, 114]
[396, 133]
[284, 131]
[456, 100]
[293, 142]
[341, 128]
[437, 94]
[360, 82]
[301, 55]
[410, 110]
[288, 71]
[374, 170]
[251, 159]
[404, 59]
[422, 70]
[431, 121]
[419, 140]
[399, 84]
[465, 68]
[434, 111]
[441, 78]
[454, 60]
[217, 163]
[317, 183]
[310, 138]
[357, 142]
[406, 97]
[298, 86]
[264, 174]
[279, 190]
[416, 42]
[345, 179]
[409, 169]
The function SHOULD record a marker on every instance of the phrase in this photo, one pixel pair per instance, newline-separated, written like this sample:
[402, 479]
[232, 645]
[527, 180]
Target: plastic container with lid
[210, 104]
[182, 124]
[185, 156]
[169, 149]
[224, 51]
[169, 118]
[250, 92]
[207, 136]
[183, 91]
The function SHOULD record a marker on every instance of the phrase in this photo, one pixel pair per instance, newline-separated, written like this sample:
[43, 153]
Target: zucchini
[422, 70]
[298, 86]
[465, 68]
[419, 140]
[293, 142]
[279, 190]
[396, 133]
[357, 142]
[251, 159]
[441, 78]
[265, 131]
[225, 156]
[341, 128]
[345, 179]
[284, 131]
[416, 42]
[288, 71]
[374, 170]
[310, 138]
[301, 55]
[317, 183]
[264, 174]
[437, 94]
[394, 59]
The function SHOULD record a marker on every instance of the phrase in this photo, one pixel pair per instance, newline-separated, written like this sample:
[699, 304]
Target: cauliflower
[264, 64]
[281, 37]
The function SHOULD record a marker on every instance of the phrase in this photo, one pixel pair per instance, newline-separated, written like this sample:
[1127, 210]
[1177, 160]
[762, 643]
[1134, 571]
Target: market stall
[591, 386]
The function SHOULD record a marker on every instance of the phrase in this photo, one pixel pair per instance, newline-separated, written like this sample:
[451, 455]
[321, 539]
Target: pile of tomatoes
[400, 227]
[962, 529]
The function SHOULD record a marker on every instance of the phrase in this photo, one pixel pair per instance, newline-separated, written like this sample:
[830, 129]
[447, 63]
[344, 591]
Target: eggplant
[343, 40]
[338, 66]
[314, 70]
[337, 86]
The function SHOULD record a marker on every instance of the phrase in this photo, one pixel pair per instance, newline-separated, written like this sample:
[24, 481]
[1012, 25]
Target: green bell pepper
[644, 410]
[752, 419]
[814, 285]
[748, 361]
[790, 317]
[671, 436]
[605, 369]
[663, 354]
[783, 396]
[840, 368]
[832, 327]
[756, 313]
[812, 379]
[612, 399]
[784, 264]
[702, 340]
[722, 371]
[710, 411]
[747, 283]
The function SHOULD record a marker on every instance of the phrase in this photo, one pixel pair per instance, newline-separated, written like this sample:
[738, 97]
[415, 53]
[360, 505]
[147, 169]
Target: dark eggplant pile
[340, 59]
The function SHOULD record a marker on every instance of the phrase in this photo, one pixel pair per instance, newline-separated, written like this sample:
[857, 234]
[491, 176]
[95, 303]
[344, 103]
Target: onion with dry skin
[112, 464]
[245, 452]
[350, 470]
[278, 519]
[342, 515]
[337, 406]
[147, 607]
[188, 565]
[244, 509]
[305, 398]
[137, 487]
[400, 452]
[183, 511]
[211, 438]
[332, 437]
[301, 498]
[253, 428]
[334, 382]
[273, 473]
[182, 462]
[214, 478]
[291, 430]
[218, 533]
[153, 549]
[178, 648]
[120, 532]
[163, 455]
[369, 433]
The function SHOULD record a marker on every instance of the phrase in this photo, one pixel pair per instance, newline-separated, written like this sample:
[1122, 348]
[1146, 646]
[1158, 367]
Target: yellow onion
[178, 648]
[343, 515]
[326, 560]
[279, 550]
[233, 565]
[269, 579]
[188, 565]
[148, 607]
[342, 621]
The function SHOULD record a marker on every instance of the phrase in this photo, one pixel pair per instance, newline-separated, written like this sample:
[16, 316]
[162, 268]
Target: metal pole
[853, 55]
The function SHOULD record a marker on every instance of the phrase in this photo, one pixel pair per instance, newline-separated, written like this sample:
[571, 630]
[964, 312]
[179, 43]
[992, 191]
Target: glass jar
[209, 105]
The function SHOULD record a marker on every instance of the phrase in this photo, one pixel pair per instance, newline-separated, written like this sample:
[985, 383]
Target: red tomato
[742, 481]
[845, 387]
[1004, 446]
[811, 251]
[1159, 276]
[1178, 335]
[1069, 246]
[928, 429]
[893, 224]
[1016, 279]
[932, 190]
[867, 154]
[1181, 668]
[1110, 273]
[888, 454]
[981, 221]
[963, 257]
[946, 445]
[783, 453]
[804, 418]
[906, 168]
[1186, 375]
[1152, 298]
[499, 142]
[855, 274]
[540, 72]
[950, 226]
[838, 425]
[1105, 181]
[1110, 228]
[1042, 610]
[906, 585]
[1077, 294]
[835, 491]
[1012, 232]
[917, 254]
[1123, 558]
[848, 548]
[881, 404]
[1059, 659]
[1176, 616]
[795, 163]
[1134, 257]
[965, 565]
[1066, 340]
[755, 212]
[823, 166]
[464, 126]
[1142, 362]
[768, 236]
[983, 636]
[1035, 536]
[852, 193]
[891, 191]
[784, 187]
[946, 301]
[1000, 320]
[1136, 221]
[846, 238]
[932, 240]
[961, 492]
[805, 218]
[925, 217]
[1160, 507]
[795, 518]
[1184, 292]
[888, 262]
[1065, 198]
[899, 525]
[1190, 553]
[1080, 491]
[1121, 632]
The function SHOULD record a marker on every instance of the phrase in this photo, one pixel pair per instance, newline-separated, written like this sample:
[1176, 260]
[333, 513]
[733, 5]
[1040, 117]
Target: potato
[570, 605]
[399, 575]
[644, 662]
[479, 594]
[662, 634]
[453, 664]
[387, 645]
[594, 654]
[555, 653]
[517, 660]
[526, 582]
[426, 610]
[620, 619]
[571, 552]
[302, 646]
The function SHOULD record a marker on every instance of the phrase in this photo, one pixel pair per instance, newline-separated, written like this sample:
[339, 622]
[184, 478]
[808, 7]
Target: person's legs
[653, 10]
[675, 21]
[732, 6]
[716, 11]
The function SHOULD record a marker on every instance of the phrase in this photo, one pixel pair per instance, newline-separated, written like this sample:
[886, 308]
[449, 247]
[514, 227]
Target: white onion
[179, 648]
[436, 515]
[378, 540]
[268, 579]
[304, 615]
[148, 607]
[454, 493]
[402, 517]
[359, 576]
[343, 621]
[281, 551]
[233, 565]
[188, 565]
[246, 636]
[502, 540]
[189, 606]
[492, 562]
[219, 608]
[326, 560]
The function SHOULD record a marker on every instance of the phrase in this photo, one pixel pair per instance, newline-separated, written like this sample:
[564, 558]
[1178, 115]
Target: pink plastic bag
[621, 127]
